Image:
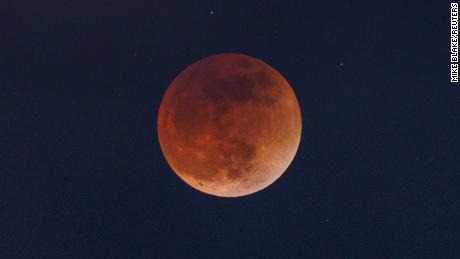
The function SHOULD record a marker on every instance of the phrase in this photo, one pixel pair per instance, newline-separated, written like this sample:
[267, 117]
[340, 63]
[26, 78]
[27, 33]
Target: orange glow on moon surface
[229, 125]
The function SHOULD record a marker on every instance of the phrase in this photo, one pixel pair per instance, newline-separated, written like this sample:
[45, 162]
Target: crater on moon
[229, 125]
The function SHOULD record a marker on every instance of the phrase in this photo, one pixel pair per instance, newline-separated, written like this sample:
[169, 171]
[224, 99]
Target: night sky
[377, 173]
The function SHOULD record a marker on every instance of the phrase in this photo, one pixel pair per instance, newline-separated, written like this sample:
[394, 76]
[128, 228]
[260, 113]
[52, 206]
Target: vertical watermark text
[454, 42]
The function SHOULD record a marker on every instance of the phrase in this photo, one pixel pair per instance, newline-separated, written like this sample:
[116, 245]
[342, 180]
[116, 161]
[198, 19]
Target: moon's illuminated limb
[229, 125]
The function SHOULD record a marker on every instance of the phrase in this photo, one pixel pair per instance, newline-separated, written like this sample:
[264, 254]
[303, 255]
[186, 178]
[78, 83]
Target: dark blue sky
[377, 173]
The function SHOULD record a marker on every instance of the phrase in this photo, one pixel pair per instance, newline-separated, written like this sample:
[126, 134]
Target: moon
[229, 125]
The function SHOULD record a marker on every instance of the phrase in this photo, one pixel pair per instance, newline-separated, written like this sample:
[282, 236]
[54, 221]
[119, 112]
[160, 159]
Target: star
[211, 12]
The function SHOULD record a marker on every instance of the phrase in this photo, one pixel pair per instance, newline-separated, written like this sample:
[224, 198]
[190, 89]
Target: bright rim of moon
[229, 125]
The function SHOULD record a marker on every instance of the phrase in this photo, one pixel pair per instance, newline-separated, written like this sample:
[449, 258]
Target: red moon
[229, 125]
